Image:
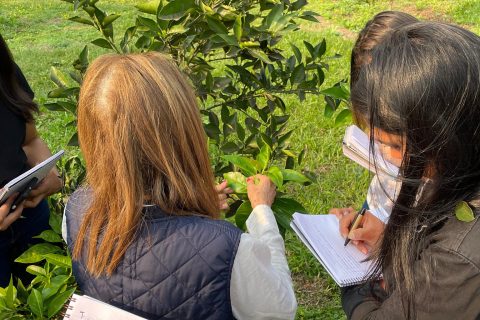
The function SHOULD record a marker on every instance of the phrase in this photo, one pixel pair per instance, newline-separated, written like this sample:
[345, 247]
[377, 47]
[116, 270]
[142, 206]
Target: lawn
[40, 36]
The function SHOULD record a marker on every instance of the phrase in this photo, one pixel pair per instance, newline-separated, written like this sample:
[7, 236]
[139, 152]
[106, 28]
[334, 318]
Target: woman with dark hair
[383, 189]
[21, 148]
[420, 94]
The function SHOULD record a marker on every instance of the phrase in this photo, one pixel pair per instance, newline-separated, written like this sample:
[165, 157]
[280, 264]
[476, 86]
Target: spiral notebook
[356, 146]
[320, 233]
[83, 307]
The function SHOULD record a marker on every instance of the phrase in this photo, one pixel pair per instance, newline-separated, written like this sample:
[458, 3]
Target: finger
[10, 200]
[359, 234]
[32, 202]
[360, 245]
[222, 196]
[220, 187]
[337, 212]
[224, 206]
[344, 224]
[36, 192]
[11, 218]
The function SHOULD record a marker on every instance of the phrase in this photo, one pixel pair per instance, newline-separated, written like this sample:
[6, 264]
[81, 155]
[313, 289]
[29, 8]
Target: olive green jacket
[454, 287]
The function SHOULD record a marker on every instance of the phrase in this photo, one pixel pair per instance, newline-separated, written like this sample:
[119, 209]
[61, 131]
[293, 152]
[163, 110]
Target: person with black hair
[21, 148]
[383, 189]
[420, 92]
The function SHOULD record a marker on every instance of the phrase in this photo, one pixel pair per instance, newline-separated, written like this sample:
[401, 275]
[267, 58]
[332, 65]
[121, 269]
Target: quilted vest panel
[177, 268]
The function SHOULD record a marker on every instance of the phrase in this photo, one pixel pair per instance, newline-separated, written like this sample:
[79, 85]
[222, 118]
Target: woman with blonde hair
[143, 233]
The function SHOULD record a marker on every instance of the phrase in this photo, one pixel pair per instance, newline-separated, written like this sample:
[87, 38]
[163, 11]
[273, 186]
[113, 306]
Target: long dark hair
[375, 30]
[16, 98]
[423, 83]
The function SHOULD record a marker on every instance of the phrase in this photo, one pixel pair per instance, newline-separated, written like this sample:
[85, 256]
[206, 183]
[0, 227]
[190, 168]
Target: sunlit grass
[40, 36]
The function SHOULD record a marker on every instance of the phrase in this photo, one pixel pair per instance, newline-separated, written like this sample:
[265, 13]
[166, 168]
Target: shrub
[230, 50]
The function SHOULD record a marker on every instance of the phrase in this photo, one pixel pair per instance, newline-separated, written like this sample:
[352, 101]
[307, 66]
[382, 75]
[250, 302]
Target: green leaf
[216, 25]
[35, 302]
[298, 74]
[275, 175]
[337, 92]
[230, 146]
[58, 77]
[109, 19]
[73, 142]
[11, 295]
[344, 116]
[321, 75]
[310, 49]
[149, 23]
[288, 153]
[63, 92]
[329, 111]
[57, 303]
[49, 236]
[296, 52]
[59, 260]
[297, 5]
[229, 40]
[175, 9]
[264, 156]
[37, 253]
[83, 56]
[463, 212]
[237, 28]
[57, 285]
[236, 181]
[320, 49]
[149, 7]
[259, 54]
[301, 156]
[245, 164]
[284, 209]
[102, 43]
[274, 15]
[295, 176]
[242, 214]
[212, 131]
[55, 222]
[81, 20]
[22, 293]
[37, 271]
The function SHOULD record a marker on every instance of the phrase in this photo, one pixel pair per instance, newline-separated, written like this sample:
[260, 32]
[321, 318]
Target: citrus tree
[232, 53]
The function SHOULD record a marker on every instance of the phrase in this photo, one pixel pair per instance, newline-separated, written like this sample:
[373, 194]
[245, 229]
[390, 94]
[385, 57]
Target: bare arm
[37, 151]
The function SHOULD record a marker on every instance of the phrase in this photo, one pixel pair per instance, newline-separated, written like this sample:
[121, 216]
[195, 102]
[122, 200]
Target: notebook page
[88, 308]
[343, 263]
[357, 147]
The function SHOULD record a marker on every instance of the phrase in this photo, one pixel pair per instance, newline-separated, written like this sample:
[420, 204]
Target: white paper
[88, 308]
[321, 234]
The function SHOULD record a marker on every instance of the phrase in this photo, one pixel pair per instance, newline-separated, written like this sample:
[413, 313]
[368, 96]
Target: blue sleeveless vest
[179, 267]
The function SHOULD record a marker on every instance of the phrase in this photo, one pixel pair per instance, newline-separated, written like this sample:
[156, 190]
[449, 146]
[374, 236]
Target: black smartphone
[24, 194]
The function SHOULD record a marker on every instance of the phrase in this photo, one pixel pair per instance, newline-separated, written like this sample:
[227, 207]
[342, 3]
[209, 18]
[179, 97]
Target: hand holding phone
[24, 194]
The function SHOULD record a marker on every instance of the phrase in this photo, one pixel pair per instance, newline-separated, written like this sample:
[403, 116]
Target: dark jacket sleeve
[453, 291]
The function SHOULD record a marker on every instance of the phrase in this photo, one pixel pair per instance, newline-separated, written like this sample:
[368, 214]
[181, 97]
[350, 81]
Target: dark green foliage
[230, 52]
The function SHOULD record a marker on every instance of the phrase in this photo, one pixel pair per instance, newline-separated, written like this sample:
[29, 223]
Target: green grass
[353, 14]
[40, 36]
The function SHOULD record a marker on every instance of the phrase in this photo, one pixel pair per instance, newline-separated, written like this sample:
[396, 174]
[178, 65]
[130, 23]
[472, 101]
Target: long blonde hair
[142, 138]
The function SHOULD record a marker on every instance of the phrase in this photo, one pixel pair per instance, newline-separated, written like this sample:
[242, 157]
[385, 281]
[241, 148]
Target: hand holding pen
[354, 225]
[367, 232]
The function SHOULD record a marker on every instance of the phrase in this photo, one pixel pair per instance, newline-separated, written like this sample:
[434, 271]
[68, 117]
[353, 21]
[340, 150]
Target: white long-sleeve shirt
[260, 286]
